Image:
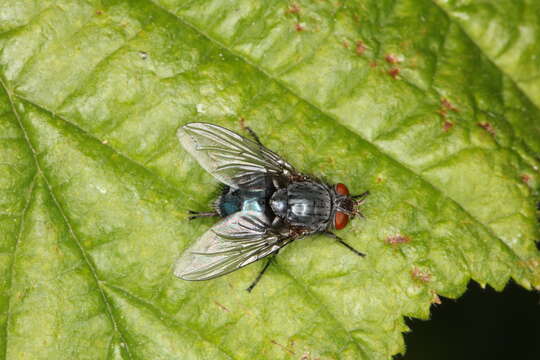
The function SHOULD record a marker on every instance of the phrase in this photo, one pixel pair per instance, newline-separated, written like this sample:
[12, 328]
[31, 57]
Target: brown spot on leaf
[391, 59]
[242, 123]
[447, 125]
[99, 12]
[394, 72]
[294, 9]
[397, 239]
[448, 105]
[525, 178]
[346, 44]
[420, 275]
[379, 180]
[373, 64]
[488, 127]
[442, 113]
[360, 47]
[307, 356]
[222, 306]
[299, 27]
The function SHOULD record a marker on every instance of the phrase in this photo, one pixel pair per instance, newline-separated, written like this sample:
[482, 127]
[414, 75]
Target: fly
[265, 204]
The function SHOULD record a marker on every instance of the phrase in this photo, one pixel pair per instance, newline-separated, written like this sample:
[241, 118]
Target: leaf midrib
[106, 302]
[86, 257]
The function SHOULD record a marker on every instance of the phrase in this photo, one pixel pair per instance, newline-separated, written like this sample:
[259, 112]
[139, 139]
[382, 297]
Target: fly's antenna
[359, 200]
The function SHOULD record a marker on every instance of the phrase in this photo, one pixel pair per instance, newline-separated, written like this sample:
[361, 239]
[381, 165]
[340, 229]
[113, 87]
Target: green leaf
[434, 106]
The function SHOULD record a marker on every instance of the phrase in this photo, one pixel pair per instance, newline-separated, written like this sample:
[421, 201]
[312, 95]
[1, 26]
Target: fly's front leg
[340, 240]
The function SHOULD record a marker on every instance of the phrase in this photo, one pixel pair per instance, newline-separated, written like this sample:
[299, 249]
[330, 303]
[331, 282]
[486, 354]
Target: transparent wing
[231, 158]
[234, 242]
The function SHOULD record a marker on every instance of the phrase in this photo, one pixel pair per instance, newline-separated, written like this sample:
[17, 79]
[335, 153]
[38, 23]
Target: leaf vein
[66, 220]
[10, 270]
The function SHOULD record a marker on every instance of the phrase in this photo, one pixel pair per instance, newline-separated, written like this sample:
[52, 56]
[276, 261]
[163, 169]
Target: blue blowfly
[265, 204]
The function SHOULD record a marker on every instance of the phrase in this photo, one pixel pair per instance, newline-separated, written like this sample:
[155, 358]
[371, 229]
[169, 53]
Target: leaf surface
[433, 106]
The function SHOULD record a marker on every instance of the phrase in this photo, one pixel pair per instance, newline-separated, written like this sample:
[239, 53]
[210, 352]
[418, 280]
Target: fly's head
[346, 206]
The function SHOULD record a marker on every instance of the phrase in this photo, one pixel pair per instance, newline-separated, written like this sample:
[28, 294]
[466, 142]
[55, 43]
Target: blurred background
[482, 324]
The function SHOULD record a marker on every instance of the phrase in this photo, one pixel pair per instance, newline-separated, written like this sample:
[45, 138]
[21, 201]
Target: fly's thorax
[305, 204]
[279, 203]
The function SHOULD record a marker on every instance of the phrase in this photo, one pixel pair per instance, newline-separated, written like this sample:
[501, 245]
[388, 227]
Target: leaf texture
[432, 105]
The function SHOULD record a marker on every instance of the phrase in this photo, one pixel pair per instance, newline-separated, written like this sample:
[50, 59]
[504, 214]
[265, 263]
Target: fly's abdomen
[235, 200]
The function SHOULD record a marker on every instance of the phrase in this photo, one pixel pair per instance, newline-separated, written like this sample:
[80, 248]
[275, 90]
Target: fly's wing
[231, 158]
[234, 242]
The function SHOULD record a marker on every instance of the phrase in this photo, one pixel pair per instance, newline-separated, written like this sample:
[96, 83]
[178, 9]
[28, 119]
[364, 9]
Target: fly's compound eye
[340, 220]
[341, 189]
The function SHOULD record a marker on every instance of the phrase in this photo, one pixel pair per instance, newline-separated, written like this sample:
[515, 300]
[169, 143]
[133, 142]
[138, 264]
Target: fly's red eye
[341, 189]
[340, 220]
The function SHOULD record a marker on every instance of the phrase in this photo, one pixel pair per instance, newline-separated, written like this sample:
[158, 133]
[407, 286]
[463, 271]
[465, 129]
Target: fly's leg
[340, 240]
[254, 136]
[201, 214]
[261, 273]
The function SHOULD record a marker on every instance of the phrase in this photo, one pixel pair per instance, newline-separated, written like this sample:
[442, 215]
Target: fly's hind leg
[263, 270]
[201, 214]
[340, 240]
[254, 135]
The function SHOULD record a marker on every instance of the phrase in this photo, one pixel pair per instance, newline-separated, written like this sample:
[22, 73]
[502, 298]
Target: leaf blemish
[392, 59]
[394, 72]
[525, 178]
[488, 127]
[360, 47]
[222, 307]
[420, 275]
[397, 239]
[99, 12]
[299, 27]
[307, 356]
[294, 9]
[447, 125]
[442, 113]
[448, 105]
